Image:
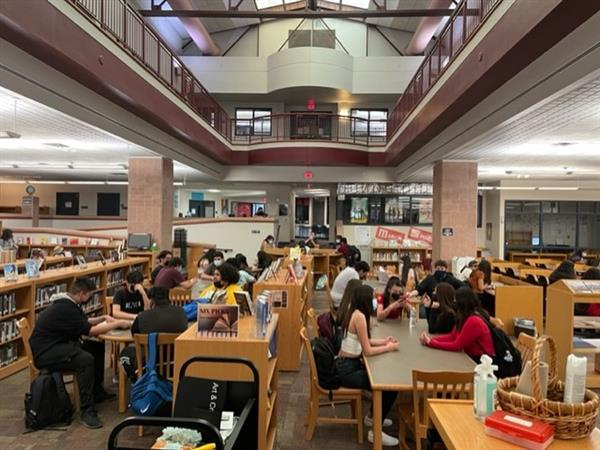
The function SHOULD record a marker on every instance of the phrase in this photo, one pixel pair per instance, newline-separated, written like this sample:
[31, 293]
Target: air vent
[56, 145]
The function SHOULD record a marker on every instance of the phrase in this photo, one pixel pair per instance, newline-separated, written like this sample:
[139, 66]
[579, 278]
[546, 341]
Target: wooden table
[122, 338]
[392, 371]
[460, 430]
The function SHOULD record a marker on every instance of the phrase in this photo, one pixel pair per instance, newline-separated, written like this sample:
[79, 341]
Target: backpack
[191, 309]
[47, 403]
[508, 358]
[151, 392]
[354, 255]
[324, 355]
[329, 330]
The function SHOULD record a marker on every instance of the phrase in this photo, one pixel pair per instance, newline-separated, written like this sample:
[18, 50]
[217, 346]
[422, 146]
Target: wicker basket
[570, 420]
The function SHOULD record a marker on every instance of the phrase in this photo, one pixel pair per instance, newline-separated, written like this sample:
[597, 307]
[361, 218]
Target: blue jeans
[353, 375]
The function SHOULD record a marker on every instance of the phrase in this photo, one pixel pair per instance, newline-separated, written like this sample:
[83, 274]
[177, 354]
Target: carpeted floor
[291, 411]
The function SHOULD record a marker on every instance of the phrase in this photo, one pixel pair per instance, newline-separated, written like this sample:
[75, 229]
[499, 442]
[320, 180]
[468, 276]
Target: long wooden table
[392, 371]
[459, 429]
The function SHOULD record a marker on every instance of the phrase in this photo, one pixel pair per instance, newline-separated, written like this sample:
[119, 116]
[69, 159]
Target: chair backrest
[180, 296]
[25, 330]
[108, 302]
[313, 322]
[314, 378]
[525, 345]
[440, 384]
[165, 353]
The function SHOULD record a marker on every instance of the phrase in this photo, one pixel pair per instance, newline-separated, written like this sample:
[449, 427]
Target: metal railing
[462, 25]
[128, 28]
[309, 126]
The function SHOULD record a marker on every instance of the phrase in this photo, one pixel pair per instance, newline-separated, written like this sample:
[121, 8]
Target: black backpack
[47, 403]
[354, 255]
[508, 358]
[324, 355]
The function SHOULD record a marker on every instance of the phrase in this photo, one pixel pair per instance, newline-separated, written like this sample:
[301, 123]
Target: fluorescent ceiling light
[5, 134]
[47, 182]
[559, 188]
[118, 183]
[178, 183]
[117, 167]
[516, 188]
[13, 181]
[85, 182]
[485, 188]
[214, 191]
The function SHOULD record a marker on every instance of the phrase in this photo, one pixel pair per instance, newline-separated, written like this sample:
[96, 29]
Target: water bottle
[413, 317]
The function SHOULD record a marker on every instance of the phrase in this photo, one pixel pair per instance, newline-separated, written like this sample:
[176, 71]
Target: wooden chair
[525, 345]
[354, 396]
[450, 385]
[327, 291]
[312, 318]
[179, 296]
[25, 330]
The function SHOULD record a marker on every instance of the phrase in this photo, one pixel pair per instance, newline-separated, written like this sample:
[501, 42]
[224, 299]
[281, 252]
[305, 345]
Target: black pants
[353, 375]
[86, 360]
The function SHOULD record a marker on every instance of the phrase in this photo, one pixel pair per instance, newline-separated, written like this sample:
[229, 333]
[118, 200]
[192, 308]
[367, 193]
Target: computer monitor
[535, 241]
[140, 241]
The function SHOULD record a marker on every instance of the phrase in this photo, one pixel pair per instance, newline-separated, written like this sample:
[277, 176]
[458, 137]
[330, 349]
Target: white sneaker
[369, 422]
[386, 439]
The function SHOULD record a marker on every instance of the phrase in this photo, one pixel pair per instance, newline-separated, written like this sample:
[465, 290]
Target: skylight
[364, 4]
[262, 4]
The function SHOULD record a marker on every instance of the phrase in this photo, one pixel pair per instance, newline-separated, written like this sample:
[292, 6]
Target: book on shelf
[44, 294]
[8, 354]
[32, 268]
[8, 303]
[244, 301]
[11, 272]
[218, 320]
[8, 330]
[81, 261]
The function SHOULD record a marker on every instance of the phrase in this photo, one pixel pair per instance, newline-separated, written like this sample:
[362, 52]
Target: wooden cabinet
[560, 300]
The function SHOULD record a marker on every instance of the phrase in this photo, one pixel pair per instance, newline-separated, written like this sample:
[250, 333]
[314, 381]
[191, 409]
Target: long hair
[406, 266]
[387, 292]
[444, 295]
[466, 305]
[485, 266]
[362, 301]
[346, 301]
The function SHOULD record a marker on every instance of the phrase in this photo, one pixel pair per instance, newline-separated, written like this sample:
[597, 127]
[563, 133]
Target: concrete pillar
[150, 199]
[30, 206]
[454, 209]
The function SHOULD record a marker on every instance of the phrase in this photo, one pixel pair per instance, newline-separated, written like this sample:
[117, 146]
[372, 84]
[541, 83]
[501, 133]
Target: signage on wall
[447, 231]
[387, 234]
[416, 234]
[311, 104]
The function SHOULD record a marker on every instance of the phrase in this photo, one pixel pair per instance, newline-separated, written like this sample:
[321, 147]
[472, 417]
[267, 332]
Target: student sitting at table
[408, 274]
[56, 345]
[163, 258]
[267, 243]
[440, 274]
[564, 271]
[131, 299]
[173, 276]
[391, 302]
[480, 281]
[161, 317]
[471, 333]
[225, 285]
[239, 262]
[357, 342]
[346, 302]
[441, 317]
[263, 261]
[358, 272]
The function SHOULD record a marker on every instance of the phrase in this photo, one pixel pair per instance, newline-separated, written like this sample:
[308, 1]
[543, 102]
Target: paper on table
[362, 235]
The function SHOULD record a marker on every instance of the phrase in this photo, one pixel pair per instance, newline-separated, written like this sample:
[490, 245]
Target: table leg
[122, 393]
[377, 420]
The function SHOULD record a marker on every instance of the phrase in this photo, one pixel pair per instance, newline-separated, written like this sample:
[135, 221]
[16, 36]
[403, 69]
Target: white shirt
[339, 285]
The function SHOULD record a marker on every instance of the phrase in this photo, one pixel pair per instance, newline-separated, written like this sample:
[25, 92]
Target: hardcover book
[32, 268]
[10, 272]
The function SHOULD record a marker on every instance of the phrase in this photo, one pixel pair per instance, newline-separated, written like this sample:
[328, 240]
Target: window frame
[368, 111]
[252, 120]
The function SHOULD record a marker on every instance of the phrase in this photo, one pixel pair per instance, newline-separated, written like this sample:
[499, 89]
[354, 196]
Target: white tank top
[351, 344]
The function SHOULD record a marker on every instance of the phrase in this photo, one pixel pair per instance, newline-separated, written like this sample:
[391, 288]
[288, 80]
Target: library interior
[290, 224]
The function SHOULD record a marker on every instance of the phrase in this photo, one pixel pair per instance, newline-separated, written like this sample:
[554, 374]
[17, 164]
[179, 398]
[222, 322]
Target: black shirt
[440, 322]
[130, 302]
[63, 322]
[427, 286]
[155, 272]
[161, 319]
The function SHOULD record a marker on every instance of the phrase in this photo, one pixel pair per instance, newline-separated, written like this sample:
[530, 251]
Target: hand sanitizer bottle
[484, 388]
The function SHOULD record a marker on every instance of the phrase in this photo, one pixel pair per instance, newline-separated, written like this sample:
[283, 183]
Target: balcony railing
[462, 25]
[309, 126]
[127, 27]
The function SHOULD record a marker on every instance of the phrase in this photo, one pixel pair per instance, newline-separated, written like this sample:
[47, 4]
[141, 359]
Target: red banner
[387, 234]
[417, 234]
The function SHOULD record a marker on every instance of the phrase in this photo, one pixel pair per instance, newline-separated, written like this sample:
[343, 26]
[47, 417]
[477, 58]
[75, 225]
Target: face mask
[270, 242]
[374, 304]
[218, 262]
[439, 275]
[395, 296]
[218, 284]
[337, 241]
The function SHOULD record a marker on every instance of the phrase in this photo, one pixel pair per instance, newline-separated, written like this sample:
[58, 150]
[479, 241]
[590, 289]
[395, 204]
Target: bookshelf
[31, 296]
[247, 345]
[88, 250]
[295, 301]
[50, 262]
[560, 300]
[389, 257]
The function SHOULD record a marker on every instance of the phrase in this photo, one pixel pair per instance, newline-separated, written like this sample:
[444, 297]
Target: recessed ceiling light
[55, 144]
[564, 144]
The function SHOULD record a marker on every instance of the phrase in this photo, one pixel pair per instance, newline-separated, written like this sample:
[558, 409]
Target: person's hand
[194, 280]
[109, 319]
[435, 305]
[426, 301]
[425, 339]
[397, 304]
[393, 346]
[124, 324]
[138, 288]
[391, 339]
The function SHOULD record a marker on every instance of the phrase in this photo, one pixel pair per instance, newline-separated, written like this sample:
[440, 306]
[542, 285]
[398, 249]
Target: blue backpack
[191, 309]
[151, 391]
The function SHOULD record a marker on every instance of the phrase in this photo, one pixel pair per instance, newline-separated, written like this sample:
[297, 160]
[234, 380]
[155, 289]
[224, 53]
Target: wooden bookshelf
[387, 258]
[85, 249]
[291, 317]
[50, 262]
[26, 291]
[247, 345]
[560, 322]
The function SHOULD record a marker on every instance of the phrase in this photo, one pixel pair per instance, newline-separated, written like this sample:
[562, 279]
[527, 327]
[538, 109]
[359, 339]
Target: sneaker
[369, 422]
[101, 396]
[89, 419]
[386, 439]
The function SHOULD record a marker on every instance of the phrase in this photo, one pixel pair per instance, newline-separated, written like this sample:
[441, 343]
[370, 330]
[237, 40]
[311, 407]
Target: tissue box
[521, 431]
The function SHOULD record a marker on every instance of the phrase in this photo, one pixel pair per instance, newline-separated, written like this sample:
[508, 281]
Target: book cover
[262, 311]
[32, 268]
[593, 285]
[218, 320]
[244, 301]
[578, 286]
[10, 272]
[81, 261]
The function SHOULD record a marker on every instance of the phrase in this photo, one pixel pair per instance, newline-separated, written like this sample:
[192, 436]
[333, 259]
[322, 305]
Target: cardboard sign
[417, 234]
[387, 234]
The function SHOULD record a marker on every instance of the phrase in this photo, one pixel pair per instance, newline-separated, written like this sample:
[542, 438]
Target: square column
[150, 199]
[454, 209]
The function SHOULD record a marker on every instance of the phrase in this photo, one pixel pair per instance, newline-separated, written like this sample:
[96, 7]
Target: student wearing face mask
[225, 285]
[131, 299]
[440, 275]
[268, 242]
[218, 259]
[391, 303]
[173, 276]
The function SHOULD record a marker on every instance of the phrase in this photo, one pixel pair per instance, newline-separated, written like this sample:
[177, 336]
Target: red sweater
[474, 338]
